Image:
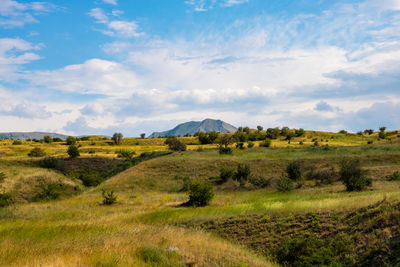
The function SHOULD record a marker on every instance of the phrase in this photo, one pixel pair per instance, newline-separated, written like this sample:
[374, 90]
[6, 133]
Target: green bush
[73, 151]
[200, 193]
[394, 176]
[90, 179]
[242, 173]
[47, 190]
[353, 176]
[225, 174]
[285, 184]
[260, 182]
[37, 152]
[17, 142]
[126, 154]
[70, 140]
[154, 256]
[108, 197]
[250, 144]
[174, 144]
[47, 139]
[50, 163]
[6, 199]
[266, 143]
[294, 170]
[225, 150]
[324, 176]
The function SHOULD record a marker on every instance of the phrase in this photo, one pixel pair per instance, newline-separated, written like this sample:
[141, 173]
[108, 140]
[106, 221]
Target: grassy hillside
[243, 225]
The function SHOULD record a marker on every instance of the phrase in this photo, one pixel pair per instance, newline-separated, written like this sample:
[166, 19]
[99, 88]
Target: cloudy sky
[132, 66]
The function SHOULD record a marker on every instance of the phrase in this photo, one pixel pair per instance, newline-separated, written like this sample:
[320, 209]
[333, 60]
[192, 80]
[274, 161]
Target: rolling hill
[30, 135]
[192, 127]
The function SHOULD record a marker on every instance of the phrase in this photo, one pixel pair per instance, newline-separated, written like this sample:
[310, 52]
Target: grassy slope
[79, 231]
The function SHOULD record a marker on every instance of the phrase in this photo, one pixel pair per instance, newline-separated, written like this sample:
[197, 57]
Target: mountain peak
[191, 127]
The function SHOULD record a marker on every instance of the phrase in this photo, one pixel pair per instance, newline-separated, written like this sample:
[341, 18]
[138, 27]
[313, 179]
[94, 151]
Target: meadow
[242, 226]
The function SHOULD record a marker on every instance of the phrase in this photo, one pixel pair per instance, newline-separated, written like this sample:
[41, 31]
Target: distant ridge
[30, 135]
[192, 127]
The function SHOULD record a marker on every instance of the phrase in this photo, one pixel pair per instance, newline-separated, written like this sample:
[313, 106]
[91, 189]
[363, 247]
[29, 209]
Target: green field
[244, 225]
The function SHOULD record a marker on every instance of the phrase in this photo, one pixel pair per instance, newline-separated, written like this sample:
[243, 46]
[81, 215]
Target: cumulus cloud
[121, 28]
[17, 14]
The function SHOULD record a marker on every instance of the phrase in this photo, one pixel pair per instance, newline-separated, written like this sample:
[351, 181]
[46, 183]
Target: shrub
[47, 139]
[284, 131]
[250, 144]
[294, 170]
[6, 199]
[225, 150]
[225, 174]
[207, 138]
[324, 176]
[200, 193]
[260, 182]
[17, 142]
[343, 132]
[174, 144]
[240, 136]
[90, 179]
[73, 151]
[382, 132]
[57, 139]
[154, 256]
[272, 133]
[108, 197]
[71, 140]
[117, 138]
[225, 140]
[299, 132]
[37, 152]
[186, 183]
[353, 176]
[285, 184]
[369, 131]
[266, 143]
[126, 154]
[394, 176]
[51, 163]
[242, 173]
[142, 135]
[240, 145]
[46, 190]
[2, 177]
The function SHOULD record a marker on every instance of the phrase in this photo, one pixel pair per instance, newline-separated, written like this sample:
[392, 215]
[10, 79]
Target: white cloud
[17, 14]
[121, 28]
[111, 2]
[205, 5]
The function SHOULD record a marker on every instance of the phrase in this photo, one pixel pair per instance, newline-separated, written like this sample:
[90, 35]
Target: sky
[134, 66]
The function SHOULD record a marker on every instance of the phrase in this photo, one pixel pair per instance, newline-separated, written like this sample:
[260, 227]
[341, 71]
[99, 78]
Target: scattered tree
[369, 131]
[225, 140]
[353, 176]
[200, 193]
[117, 138]
[266, 143]
[142, 135]
[70, 140]
[37, 152]
[284, 131]
[260, 128]
[299, 132]
[382, 132]
[273, 133]
[73, 151]
[174, 144]
[47, 139]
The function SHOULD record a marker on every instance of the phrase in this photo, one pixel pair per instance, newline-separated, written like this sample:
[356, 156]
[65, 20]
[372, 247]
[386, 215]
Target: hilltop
[192, 127]
[30, 135]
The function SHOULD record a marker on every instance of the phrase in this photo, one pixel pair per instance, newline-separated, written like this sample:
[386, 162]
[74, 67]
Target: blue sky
[96, 67]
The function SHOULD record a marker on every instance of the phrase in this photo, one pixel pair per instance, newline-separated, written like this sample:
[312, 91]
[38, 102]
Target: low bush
[284, 184]
[52, 163]
[323, 176]
[353, 176]
[6, 199]
[37, 152]
[17, 142]
[250, 144]
[200, 193]
[126, 154]
[394, 176]
[73, 151]
[240, 145]
[91, 178]
[242, 173]
[260, 182]
[108, 197]
[225, 150]
[47, 190]
[2, 177]
[266, 143]
[154, 256]
[225, 174]
[294, 170]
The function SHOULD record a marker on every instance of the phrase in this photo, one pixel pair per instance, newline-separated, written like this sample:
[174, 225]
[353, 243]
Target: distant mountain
[30, 135]
[192, 127]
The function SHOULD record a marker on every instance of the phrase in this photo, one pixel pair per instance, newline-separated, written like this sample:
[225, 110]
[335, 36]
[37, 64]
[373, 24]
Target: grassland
[148, 227]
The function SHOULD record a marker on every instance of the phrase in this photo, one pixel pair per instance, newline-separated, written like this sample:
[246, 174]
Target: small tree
[285, 184]
[382, 132]
[353, 176]
[200, 193]
[47, 139]
[250, 144]
[284, 131]
[70, 140]
[294, 170]
[225, 140]
[36, 152]
[266, 143]
[225, 174]
[117, 138]
[272, 133]
[242, 173]
[108, 197]
[174, 144]
[142, 135]
[299, 132]
[73, 151]
[369, 131]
